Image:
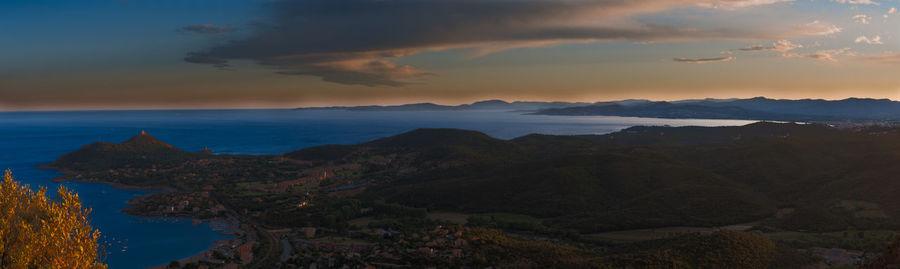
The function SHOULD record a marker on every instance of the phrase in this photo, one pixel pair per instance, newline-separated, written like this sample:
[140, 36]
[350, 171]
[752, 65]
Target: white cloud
[871, 41]
[730, 5]
[820, 28]
[780, 46]
[857, 2]
[822, 55]
[862, 18]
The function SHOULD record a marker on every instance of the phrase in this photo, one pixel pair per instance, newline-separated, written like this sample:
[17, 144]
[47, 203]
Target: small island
[788, 194]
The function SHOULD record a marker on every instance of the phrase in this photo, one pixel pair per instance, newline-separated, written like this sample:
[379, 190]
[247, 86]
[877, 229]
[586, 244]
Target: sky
[198, 54]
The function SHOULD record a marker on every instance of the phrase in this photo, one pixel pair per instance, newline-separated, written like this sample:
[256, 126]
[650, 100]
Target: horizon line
[2, 110]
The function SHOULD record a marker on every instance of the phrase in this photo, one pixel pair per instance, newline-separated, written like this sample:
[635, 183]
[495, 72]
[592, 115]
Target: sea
[29, 139]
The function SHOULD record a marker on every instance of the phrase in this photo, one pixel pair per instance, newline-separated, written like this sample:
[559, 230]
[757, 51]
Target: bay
[29, 139]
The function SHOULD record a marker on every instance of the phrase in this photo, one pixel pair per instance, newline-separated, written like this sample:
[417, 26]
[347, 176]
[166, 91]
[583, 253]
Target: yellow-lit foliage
[37, 232]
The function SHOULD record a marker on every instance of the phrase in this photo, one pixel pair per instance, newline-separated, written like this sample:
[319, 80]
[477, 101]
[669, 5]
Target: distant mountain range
[481, 105]
[759, 108]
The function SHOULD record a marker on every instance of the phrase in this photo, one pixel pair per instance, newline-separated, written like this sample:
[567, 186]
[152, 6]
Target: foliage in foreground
[37, 232]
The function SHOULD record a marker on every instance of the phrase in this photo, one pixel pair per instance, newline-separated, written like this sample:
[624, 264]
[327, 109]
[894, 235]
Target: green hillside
[649, 176]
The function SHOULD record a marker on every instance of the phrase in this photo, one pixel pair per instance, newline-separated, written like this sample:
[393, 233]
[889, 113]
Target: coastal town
[291, 211]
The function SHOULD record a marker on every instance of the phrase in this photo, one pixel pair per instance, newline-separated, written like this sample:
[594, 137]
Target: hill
[640, 177]
[480, 105]
[758, 108]
[140, 151]
[566, 191]
[645, 176]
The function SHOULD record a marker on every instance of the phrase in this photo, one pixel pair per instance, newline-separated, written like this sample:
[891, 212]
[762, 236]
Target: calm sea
[28, 139]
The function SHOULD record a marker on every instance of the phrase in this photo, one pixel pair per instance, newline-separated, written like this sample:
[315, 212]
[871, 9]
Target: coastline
[229, 221]
[232, 231]
[65, 177]
[193, 258]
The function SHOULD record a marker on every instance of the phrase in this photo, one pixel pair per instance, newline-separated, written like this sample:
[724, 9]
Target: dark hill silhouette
[430, 138]
[758, 108]
[640, 177]
[480, 105]
[139, 151]
[146, 142]
[647, 176]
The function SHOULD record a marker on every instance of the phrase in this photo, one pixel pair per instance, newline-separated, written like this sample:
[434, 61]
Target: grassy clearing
[451, 217]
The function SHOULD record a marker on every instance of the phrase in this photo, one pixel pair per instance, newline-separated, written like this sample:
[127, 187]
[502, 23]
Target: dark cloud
[704, 60]
[206, 29]
[356, 41]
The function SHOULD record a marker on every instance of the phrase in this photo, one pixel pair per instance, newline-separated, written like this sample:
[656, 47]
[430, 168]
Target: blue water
[28, 139]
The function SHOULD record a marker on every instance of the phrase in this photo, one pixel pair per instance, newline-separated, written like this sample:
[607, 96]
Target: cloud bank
[358, 41]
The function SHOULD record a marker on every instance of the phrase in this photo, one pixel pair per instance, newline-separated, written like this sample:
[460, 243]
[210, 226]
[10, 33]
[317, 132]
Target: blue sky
[111, 54]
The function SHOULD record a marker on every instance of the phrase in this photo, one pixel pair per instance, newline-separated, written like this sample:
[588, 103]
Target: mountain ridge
[756, 108]
[493, 104]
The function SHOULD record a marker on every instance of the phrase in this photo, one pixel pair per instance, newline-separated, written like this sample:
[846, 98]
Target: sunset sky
[143, 54]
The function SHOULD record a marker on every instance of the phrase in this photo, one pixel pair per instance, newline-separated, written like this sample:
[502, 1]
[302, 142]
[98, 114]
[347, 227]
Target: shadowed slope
[140, 151]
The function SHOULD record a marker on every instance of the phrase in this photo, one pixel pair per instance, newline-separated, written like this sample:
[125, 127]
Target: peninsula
[785, 193]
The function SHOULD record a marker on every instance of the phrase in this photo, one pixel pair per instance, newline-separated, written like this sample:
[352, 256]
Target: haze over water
[28, 139]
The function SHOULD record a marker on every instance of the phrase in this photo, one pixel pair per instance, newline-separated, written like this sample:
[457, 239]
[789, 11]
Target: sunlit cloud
[876, 40]
[822, 55]
[856, 2]
[817, 28]
[780, 46]
[357, 42]
[704, 60]
[731, 5]
[890, 12]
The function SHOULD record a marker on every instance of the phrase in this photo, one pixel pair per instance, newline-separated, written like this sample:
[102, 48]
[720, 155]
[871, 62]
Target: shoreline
[65, 177]
[231, 231]
[193, 258]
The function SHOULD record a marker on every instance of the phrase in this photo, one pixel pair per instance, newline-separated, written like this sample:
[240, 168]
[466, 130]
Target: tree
[37, 232]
